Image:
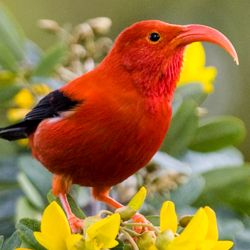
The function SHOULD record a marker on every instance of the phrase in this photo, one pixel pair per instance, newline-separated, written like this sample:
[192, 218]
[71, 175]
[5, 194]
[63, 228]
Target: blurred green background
[232, 87]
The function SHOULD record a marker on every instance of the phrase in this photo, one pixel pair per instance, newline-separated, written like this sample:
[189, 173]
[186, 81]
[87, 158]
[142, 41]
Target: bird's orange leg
[60, 188]
[102, 194]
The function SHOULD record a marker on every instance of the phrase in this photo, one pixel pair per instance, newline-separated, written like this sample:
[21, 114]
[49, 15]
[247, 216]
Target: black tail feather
[14, 132]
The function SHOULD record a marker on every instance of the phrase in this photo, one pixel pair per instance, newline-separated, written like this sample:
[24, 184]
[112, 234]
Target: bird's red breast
[112, 133]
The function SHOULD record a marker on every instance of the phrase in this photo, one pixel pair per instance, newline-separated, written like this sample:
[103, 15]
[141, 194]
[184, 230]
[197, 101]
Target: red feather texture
[124, 113]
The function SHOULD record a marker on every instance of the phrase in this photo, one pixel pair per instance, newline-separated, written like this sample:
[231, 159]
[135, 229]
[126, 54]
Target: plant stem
[130, 239]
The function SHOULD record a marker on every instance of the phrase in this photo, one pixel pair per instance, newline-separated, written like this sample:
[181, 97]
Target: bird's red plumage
[124, 108]
[113, 133]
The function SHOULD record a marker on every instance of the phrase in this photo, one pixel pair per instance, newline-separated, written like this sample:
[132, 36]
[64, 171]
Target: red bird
[102, 127]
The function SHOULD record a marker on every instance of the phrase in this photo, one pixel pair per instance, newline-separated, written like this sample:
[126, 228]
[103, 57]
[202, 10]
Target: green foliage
[219, 132]
[50, 60]
[12, 242]
[183, 125]
[25, 229]
[189, 192]
[1, 241]
[235, 180]
[39, 177]
[11, 35]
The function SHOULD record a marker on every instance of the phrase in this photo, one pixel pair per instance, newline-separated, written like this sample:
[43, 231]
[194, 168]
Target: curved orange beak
[195, 32]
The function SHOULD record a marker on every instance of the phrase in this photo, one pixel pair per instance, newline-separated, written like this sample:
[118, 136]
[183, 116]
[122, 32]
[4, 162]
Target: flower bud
[49, 25]
[125, 212]
[84, 31]
[78, 50]
[147, 241]
[184, 220]
[100, 25]
[164, 239]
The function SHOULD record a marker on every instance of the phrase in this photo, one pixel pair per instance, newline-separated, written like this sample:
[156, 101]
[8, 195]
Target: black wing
[48, 107]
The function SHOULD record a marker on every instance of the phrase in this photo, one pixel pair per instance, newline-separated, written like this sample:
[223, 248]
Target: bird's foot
[139, 218]
[76, 224]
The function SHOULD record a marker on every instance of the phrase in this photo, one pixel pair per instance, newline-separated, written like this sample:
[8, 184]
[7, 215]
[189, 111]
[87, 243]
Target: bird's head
[152, 52]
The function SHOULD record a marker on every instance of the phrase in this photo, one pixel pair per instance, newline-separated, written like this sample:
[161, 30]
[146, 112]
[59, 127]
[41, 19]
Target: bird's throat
[159, 80]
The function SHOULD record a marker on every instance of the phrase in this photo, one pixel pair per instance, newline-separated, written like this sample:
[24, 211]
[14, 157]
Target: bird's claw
[76, 224]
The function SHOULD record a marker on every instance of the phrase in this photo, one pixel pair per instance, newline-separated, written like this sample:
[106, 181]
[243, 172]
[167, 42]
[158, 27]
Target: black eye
[154, 37]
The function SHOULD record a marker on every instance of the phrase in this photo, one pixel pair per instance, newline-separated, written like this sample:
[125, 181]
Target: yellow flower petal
[168, 217]
[54, 228]
[195, 232]
[23, 248]
[212, 233]
[75, 242]
[138, 199]
[194, 69]
[104, 231]
[223, 245]
[24, 99]
[48, 242]
[16, 114]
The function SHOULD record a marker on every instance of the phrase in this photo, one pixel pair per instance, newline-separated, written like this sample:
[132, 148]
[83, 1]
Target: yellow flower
[102, 233]
[200, 234]
[168, 217]
[55, 230]
[194, 69]
[56, 234]
[16, 114]
[25, 99]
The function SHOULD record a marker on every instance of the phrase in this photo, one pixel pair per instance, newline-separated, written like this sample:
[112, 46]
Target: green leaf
[51, 197]
[38, 175]
[189, 192]
[1, 241]
[242, 240]
[182, 129]
[75, 208]
[122, 246]
[11, 35]
[25, 209]
[30, 191]
[192, 91]
[229, 228]
[32, 224]
[7, 226]
[50, 61]
[219, 132]
[12, 242]
[137, 201]
[25, 228]
[229, 187]
[201, 162]
[7, 59]
[154, 219]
